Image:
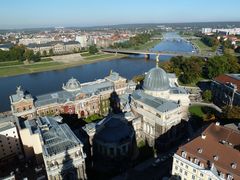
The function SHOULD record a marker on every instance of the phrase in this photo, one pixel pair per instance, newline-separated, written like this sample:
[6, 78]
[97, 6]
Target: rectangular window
[193, 177]
[185, 173]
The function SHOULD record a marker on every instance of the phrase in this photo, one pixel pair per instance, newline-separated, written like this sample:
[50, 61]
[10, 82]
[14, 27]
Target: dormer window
[184, 154]
[234, 165]
[201, 165]
[196, 161]
[200, 150]
[222, 175]
[229, 177]
[215, 158]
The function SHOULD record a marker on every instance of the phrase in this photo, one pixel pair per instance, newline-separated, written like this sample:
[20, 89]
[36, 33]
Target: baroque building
[112, 143]
[161, 105]
[74, 98]
[55, 145]
[197, 159]
[226, 90]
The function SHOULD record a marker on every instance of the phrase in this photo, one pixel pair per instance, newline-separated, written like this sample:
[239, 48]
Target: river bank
[63, 62]
[19, 69]
[52, 80]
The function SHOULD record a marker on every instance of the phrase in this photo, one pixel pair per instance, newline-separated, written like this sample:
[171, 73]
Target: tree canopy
[231, 112]
[222, 64]
[210, 41]
[20, 53]
[134, 41]
[93, 49]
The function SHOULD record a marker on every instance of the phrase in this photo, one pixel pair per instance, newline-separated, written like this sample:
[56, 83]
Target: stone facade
[82, 99]
[159, 108]
[226, 90]
[57, 47]
[10, 144]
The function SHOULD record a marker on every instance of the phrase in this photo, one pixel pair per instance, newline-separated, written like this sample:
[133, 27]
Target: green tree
[36, 57]
[231, 112]
[207, 96]
[221, 65]
[44, 53]
[28, 55]
[51, 53]
[191, 70]
[93, 49]
[216, 66]
[17, 52]
[210, 41]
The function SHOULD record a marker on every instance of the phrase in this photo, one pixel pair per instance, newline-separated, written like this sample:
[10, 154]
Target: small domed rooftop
[72, 85]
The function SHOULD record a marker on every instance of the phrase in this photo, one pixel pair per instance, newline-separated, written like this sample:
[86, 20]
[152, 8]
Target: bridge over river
[157, 53]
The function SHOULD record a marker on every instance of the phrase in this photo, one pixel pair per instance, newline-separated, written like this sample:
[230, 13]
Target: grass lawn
[93, 118]
[205, 113]
[196, 111]
[10, 63]
[30, 68]
[202, 47]
[84, 54]
[12, 68]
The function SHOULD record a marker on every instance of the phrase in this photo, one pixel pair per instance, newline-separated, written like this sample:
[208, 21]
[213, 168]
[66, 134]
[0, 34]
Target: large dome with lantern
[156, 80]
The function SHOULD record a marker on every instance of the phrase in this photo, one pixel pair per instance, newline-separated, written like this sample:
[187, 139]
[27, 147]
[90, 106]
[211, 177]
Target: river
[50, 81]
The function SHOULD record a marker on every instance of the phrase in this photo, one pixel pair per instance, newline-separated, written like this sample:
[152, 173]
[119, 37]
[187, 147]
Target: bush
[207, 96]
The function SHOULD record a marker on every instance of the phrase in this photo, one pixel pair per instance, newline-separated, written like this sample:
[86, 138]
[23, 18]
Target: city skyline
[27, 14]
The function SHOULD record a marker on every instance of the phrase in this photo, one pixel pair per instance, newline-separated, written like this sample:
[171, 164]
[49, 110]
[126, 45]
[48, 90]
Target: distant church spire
[157, 60]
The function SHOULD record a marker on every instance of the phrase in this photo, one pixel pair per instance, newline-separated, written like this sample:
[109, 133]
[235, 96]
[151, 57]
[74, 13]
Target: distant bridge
[156, 53]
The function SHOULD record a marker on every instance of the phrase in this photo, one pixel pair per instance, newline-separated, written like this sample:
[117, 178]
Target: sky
[51, 13]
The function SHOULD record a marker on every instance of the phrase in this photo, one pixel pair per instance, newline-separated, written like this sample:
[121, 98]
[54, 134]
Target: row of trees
[20, 53]
[134, 41]
[210, 41]
[190, 70]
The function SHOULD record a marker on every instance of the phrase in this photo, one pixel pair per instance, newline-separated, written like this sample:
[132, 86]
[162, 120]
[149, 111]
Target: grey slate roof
[113, 76]
[162, 105]
[56, 97]
[64, 96]
[58, 138]
[6, 122]
[97, 87]
[235, 76]
[20, 95]
[177, 90]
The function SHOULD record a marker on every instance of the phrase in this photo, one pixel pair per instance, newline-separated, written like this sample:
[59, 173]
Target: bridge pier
[147, 56]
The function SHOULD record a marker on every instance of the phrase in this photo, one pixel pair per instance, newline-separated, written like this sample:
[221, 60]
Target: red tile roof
[213, 145]
[224, 78]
